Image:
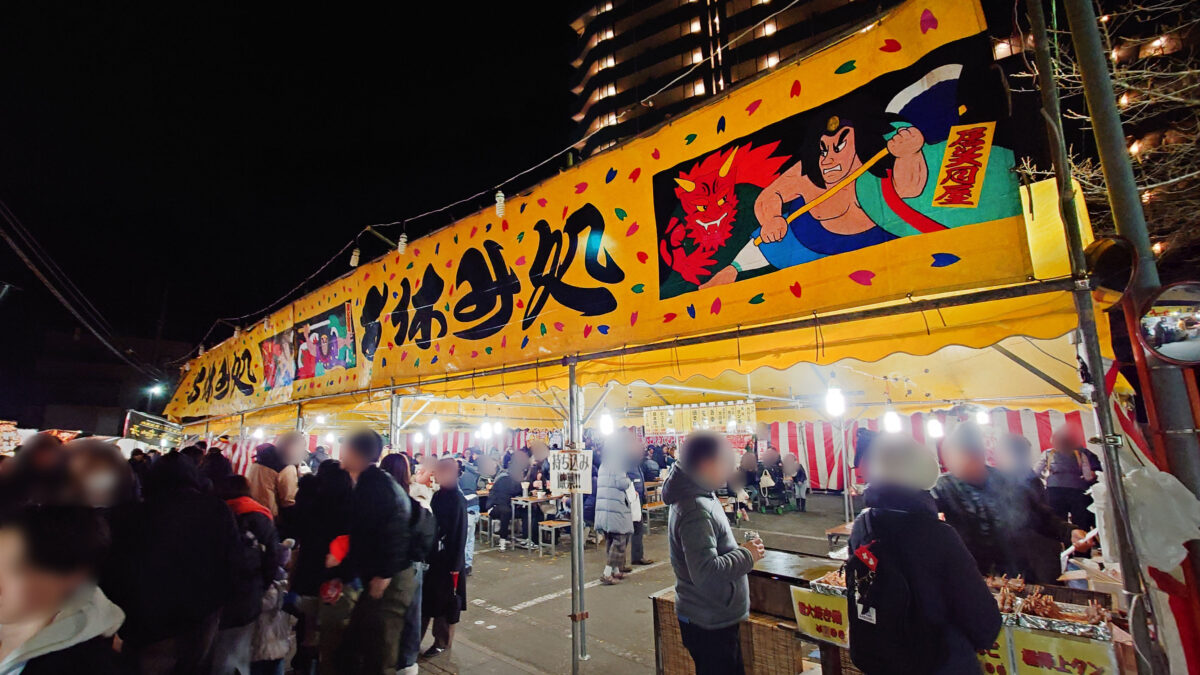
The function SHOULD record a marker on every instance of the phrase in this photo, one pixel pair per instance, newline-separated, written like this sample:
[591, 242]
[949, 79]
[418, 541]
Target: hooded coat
[273, 483]
[614, 514]
[79, 640]
[711, 588]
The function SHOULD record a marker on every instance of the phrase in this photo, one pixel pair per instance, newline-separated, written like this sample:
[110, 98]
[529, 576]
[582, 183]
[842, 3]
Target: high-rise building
[630, 49]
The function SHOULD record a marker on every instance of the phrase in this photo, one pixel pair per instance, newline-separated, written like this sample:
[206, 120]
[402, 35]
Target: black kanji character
[554, 257]
[492, 283]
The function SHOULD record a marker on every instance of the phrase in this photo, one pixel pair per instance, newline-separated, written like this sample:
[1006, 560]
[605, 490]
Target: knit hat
[901, 461]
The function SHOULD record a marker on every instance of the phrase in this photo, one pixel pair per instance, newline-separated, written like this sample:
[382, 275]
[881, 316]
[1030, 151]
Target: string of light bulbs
[498, 194]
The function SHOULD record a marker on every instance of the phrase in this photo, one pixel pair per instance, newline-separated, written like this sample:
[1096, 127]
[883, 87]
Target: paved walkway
[517, 619]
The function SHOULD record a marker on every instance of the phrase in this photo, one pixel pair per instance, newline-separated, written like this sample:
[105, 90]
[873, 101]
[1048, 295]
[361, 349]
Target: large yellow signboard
[876, 168]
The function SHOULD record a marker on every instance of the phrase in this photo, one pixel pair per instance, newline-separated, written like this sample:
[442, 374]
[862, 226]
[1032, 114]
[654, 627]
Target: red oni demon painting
[714, 195]
[915, 151]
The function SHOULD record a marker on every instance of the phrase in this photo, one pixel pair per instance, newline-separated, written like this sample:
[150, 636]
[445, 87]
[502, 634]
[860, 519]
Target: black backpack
[889, 632]
[423, 531]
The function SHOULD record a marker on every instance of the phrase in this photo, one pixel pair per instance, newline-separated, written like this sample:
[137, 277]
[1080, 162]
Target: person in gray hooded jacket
[712, 593]
[614, 509]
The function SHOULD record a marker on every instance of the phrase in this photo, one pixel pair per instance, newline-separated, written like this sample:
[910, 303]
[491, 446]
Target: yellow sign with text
[998, 659]
[1043, 653]
[811, 189]
[822, 617]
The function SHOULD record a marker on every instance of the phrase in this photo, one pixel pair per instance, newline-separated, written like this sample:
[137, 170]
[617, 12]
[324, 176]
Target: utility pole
[1177, 425]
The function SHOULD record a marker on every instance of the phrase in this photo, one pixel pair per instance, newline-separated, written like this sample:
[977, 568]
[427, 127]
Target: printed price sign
[1041, 653]
[822, 617]
[571, 471]
[998, 659]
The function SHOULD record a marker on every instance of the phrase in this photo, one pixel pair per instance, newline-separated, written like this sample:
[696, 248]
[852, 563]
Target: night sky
[217, 155]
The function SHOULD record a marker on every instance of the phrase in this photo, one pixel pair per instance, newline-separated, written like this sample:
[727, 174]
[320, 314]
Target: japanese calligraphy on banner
[726, 417]
[875, 168]
[1038, 652]
[822, 617]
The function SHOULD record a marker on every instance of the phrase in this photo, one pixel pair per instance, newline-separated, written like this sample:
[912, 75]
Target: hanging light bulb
[497, 427]
[258, 434]
[606, 424]
[934, 429]
[330, 438]
[982, 417]
[835, 401]
[485, 430]
[402, 243]
[499, 204]
[419, 437]
[434, 427]
[731, 427]
[320, 419]
[354, 257]
[891, 422]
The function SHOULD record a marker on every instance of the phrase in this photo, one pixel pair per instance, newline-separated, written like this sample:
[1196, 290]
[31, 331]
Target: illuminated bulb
[497, 427]
[1105, 18]
[419, 437]
[258, 433]
[731, 427]
[162, 443]
[1158, 43]
[354, 257]
[485, 430]
[156, 389]
[499, 204]
[835, 402]
[434, 427]
[320, 419]
[1146, 197]
[606, 424]
[933, 428]
[330, 438]
[982, 417]
[1157, 247]
[1115, 54]
[402, 243]
[891, 422]
[1134, 147]
[1124, 100]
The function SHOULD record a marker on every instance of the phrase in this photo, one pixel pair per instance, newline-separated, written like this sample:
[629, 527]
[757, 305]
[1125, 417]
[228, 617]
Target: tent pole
[393, 413]
[1153, 659]
[300, 416]
[578, 615]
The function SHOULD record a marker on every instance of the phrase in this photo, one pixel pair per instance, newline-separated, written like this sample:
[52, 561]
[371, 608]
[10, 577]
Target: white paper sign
[571, 471]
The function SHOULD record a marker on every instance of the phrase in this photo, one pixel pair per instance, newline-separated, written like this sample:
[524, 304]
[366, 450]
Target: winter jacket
[503, 490]
[469, 483]
[317, 518]
[940, 572]
[172, 562]
[613, 512]
[257, 561]
[78, 640]
[1004, 525]
[589, 500]
[272, 483]
[379, 527]
[711, 588]
[1066, 469]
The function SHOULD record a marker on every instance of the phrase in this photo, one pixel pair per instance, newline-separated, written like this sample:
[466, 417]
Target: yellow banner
[854, 176]
[822, 617]
[725, 417]
[1042, 653]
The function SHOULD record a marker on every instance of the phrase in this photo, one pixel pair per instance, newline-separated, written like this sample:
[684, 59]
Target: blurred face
[716, 471]
[965, 464]
[790, 463]
[447, 474]
[488, 466]
[748, 462]
[352, 461]
[94, 481]
[519, 464]
[1064, 439]
[26, 592]
[1008, 461]
[540, 450]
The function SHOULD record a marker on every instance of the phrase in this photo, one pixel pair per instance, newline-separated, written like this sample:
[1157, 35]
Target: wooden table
[837, 532]
[529, 503]
[483, 497]
[653, 487]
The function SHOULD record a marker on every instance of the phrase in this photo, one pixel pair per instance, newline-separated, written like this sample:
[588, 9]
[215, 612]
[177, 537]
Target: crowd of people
[173, 563]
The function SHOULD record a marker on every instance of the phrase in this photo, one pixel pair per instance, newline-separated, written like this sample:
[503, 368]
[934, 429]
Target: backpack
[889, 632]
[423, 531]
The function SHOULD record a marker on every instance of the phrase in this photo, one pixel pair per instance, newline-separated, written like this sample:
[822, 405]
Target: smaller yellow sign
[1040, 653]
[737, 417]
[960, 180]
[822, 617]
[998, 659]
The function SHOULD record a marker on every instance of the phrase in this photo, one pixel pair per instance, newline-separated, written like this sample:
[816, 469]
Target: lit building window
[608, 120]
[697, 55]
[761, 2]
[695, 26]
[604, 7]
[606, 34]
[605, 91]
[605, 62]
[694, 89]
[769, 61]
[768, 28]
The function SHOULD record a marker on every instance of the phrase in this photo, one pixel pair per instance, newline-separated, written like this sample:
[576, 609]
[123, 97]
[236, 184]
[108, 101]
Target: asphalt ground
[517, 618]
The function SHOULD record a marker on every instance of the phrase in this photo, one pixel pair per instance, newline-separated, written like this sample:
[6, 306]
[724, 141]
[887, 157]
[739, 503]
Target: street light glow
[155, 389]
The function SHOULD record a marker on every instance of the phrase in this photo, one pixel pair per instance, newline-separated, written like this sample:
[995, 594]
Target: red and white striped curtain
[454, 442]
[815, 443]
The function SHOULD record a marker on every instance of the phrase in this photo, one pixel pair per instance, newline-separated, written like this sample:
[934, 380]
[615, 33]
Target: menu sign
[152, 430]
[571, 471]
[822, 617]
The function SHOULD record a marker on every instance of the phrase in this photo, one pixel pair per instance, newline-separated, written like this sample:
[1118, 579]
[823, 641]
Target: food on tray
[1006, 600]
[1044, 606]
[835, 578]
[1016, 584]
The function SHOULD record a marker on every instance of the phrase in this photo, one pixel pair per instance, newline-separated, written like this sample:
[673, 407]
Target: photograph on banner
[912, 152]
[279, 359]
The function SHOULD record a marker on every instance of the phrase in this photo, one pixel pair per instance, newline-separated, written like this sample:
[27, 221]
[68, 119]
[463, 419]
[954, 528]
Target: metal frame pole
[1152, 657]
[578, 613]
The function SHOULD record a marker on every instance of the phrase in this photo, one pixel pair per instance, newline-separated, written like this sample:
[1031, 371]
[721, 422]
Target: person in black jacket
[53, 619]
[378, 556]
[171, 570]
[507, 486]
[950, 612]
[257, 560]
[445, 589]
[1003, 523]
